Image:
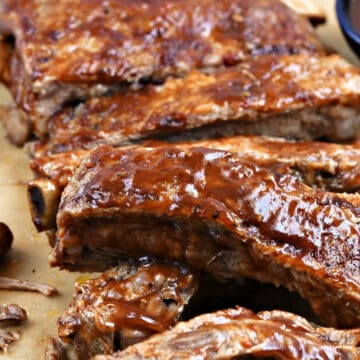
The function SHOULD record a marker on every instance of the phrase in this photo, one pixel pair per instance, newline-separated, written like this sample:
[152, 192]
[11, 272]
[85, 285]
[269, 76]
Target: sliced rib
[235, 333]
[139, 298]
[219, 213]
[320, 165]
[302, 97]
[68, 50]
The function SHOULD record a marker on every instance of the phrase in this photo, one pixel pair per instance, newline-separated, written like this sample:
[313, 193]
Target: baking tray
[29, 257]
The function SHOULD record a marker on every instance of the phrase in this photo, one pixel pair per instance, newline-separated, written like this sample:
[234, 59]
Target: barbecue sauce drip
[148, 301]
[255, 200]
[269, 206]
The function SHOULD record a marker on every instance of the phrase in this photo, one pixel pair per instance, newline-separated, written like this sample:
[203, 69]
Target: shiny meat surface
[232, 333]
[72, 50]
[124, 40]
[291, 96]
[126, 305]
[322, 165]
[219, 213]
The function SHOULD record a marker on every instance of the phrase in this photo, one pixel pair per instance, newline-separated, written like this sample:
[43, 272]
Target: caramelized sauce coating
[69, 51]
[128, 303]
[221, 214]
[322, 165]
[235, 333]
[290, 96]
[102, 41]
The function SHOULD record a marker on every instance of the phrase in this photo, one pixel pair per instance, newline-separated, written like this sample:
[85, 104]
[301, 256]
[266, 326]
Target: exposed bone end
[43, 198]
[16, 124]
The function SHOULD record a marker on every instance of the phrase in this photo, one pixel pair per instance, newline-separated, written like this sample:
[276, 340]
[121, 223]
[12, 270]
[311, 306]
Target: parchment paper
[28, 259]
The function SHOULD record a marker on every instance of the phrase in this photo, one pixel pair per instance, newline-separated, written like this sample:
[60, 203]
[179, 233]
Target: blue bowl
[350, 33]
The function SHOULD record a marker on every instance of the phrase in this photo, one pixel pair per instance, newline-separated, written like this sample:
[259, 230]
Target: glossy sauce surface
[92, 41]
[239, 332]
[136, 302]
[253, 92]
[329, 166]
[318, 230]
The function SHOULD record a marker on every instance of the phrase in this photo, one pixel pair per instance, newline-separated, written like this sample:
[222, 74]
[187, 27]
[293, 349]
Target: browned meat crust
[221, 214]
[234, 333]
[291, 96]
[126, 305]
[327, 166]
[75, 49]
[112, 311]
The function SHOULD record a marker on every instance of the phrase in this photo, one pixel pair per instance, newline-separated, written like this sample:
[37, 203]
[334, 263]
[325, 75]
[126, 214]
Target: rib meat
[219, 213]
[291, 96]
[138, 298]
[321, 165]
[235, 333]
[126, 305]
[68, 50]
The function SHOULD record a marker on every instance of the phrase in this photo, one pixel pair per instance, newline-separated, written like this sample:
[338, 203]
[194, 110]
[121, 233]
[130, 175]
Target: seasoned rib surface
[126, 305]
[322, 165]
[218, 212]
[291, 96]
[128, 40]
[239, 332]
[68, 50]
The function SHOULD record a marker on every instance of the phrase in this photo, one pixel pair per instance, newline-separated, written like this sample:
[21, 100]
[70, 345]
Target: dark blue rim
[342, 11]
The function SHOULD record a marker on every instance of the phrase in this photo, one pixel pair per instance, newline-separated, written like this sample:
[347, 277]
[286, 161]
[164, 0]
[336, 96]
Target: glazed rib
[126, 305]
[89, 47]
[234, 333]
[322, 165]
[219, 213]
[291, 96]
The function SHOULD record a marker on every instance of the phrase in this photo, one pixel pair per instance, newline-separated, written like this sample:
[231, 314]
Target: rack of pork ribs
[183, 148]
